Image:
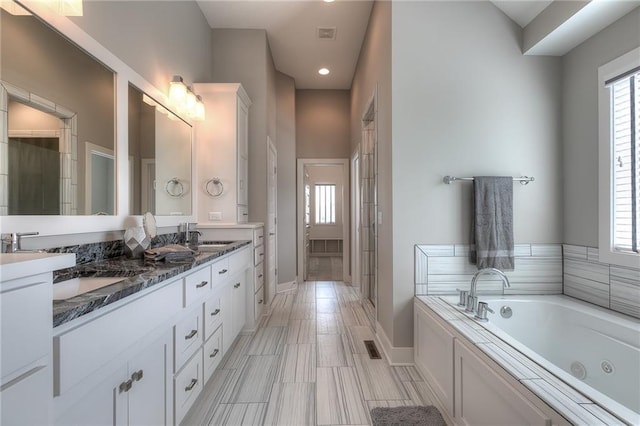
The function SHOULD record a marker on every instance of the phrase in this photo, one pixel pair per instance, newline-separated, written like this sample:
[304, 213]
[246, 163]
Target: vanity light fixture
[199, 109]
[328, 1]
[190, 101]
[323, 71]
[62, 7]
[177, 90]
[14, 8]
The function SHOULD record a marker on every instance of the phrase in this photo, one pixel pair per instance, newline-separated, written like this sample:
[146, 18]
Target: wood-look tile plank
[301, 331]
[291, 404]
[327, 306]
[357, 335]
[407, 373]
[418, 392]
[298, 364]
[254, 381]
[233, 357]
[330, 324]
[333, 351]
[304, 310]
[378, 380]
[205, 406]
[239, 415]
[267, 341]
[325, 292]
[339, 398]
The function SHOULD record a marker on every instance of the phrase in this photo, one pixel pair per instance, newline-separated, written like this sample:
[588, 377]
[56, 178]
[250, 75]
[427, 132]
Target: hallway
[306, 365]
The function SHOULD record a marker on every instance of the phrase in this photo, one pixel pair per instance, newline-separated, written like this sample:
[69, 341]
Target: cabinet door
[148, 393]
[23, 402]
[238, 303]
[483, 397]
[227, 320]
[105, 404]
[434, 355]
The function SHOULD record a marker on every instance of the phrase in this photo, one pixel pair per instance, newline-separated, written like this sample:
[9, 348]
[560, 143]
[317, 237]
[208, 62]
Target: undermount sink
[214, 246]
[77, 286]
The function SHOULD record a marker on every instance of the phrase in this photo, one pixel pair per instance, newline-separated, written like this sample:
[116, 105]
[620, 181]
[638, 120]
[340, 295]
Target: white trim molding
[395, 355]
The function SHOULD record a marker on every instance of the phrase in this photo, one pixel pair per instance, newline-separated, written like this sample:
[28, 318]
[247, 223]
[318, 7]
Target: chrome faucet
[11, 242]
[472, 298]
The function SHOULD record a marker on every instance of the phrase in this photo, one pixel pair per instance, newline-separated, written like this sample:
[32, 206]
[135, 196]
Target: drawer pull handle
[216, 312]
[260, 302]
[137, 376]
[223, 271]
[260, 276]
[261, 236]
[245, 214]
[261, 254]
[126, 386]
[202, 284]
[213, 355]
[190, 335]
[236, 285]
[191, 385]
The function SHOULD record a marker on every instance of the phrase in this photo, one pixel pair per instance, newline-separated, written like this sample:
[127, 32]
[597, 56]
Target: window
[619, 105]
[325, 204]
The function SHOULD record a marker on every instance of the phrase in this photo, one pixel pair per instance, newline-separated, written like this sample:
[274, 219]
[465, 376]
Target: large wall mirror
[58, 123]
[160, 167]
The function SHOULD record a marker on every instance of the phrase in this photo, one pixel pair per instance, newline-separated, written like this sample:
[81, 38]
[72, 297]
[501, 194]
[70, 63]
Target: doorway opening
[323, 220]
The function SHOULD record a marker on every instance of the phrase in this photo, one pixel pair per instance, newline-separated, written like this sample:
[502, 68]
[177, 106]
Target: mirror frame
[124, 75]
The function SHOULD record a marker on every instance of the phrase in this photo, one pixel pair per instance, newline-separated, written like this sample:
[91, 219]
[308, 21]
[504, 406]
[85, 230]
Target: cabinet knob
[126, 386]
[222, 271]
[260, 302]
[216, 312]
[137, 376]
[260, 276]
[191, 385]
[202, 284]
[191, 334]
[215, 352]
[236, 285]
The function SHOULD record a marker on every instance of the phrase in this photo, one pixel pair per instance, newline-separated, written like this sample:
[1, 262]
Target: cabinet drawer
[212, 354]
[187, 386]
[259, 302]
[239, 261]
[258, 276]
[187, 336]
[25, 321]
[220, 272]
[258, 255]
[196, 285]
[212, 314]
[258, 237]
[243, 214]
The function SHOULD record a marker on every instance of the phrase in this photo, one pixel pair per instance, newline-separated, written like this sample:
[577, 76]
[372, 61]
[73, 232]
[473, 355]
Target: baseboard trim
[289, 285]
[395, 355]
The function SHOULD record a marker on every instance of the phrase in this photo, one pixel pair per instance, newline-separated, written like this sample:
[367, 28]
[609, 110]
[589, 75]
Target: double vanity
[124, 341]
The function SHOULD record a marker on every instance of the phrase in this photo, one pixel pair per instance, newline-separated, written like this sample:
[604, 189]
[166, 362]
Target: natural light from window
[325, 204]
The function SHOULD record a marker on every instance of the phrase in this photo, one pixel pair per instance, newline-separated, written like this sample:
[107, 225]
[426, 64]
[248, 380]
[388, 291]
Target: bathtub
[594, 350]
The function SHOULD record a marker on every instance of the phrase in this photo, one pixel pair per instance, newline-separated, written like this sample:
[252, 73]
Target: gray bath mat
[405, 416]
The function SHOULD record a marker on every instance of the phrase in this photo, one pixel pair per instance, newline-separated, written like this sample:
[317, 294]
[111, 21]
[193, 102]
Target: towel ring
[216, 182]
[176, 183]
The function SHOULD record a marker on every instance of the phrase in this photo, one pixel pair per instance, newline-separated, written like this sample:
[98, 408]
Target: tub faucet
[472, 299]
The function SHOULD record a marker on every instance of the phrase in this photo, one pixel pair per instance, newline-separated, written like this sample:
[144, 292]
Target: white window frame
[607, 253]
[317, 207]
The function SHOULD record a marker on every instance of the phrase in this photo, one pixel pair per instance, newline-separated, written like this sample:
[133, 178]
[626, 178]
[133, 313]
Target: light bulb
[177, 91]
[199, 109]
[323, 71]
[190, 102]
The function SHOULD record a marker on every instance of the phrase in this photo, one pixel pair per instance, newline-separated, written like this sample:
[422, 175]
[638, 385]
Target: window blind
[625, 107]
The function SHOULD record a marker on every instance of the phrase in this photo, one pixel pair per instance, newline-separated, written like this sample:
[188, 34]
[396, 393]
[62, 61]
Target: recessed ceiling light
[323, 71]
[328, 1]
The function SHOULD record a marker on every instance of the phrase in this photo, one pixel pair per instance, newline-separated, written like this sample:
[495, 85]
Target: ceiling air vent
[327, 33]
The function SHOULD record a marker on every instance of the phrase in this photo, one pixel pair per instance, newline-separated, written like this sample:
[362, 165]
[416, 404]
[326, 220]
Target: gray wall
[580, 125]
[156, 38]
[470, 106]
[374, 72]
[286, 145]
[322, 124]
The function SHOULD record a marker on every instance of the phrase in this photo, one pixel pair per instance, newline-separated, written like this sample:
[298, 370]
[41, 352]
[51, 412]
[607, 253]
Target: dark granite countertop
[137, 275]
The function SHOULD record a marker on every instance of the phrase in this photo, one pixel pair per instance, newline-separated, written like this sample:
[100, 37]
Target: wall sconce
[185, 100]
[62, 7]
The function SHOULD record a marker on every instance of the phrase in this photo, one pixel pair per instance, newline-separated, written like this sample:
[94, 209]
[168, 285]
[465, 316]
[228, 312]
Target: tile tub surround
[137, 275]
[443, 268]
[609, 286]
[571, 404]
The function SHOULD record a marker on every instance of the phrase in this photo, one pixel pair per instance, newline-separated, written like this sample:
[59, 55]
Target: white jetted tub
[595, 350]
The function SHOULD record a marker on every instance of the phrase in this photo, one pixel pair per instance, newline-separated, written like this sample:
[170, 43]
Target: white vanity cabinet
[223, 152]
[25, 332]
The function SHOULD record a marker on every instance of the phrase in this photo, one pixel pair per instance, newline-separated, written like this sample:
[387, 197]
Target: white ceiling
[292, 32]
[291, 27]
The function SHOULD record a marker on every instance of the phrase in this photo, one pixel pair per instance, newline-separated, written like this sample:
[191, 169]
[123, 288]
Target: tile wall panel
[613, 287]
[441, 269]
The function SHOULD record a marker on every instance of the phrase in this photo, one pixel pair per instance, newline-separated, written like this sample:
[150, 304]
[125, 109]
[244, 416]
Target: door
[272, 220]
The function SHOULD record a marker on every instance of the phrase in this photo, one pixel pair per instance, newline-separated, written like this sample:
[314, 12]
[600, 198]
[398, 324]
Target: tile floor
[306, 365]
[324, 268]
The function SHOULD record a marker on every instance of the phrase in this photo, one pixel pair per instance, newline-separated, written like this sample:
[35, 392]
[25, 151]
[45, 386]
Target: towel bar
[524, 180]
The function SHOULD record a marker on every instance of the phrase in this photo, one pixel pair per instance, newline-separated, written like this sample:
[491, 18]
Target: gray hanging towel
[492, 223]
